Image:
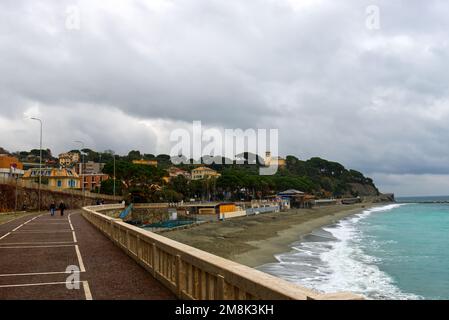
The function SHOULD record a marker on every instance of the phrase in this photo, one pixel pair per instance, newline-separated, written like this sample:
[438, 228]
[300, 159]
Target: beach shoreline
[255, 240]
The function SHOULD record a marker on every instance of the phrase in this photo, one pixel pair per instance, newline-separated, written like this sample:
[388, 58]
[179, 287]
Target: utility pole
[114, 173]
[14, 173]
[40, 163]
[17, 182]
[82, 170]
[101, 171]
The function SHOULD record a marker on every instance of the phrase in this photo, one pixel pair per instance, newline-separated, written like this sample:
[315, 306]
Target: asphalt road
[44, 257]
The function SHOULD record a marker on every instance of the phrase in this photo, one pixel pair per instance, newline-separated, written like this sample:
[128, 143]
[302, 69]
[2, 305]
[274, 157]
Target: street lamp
[100, 171]
[40, 162]
[113, 154]
[81, 168]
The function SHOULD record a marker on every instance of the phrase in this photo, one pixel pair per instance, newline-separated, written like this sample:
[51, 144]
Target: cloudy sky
[336, 81]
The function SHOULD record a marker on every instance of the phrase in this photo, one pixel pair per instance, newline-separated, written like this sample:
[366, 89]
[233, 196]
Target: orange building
[6, 162]
[10, 167]
[92, 181]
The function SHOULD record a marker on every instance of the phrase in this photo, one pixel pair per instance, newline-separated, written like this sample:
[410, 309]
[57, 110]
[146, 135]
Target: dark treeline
[141, 183]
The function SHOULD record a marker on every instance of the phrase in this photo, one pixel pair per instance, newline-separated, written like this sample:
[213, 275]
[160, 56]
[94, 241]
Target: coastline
[254, 240]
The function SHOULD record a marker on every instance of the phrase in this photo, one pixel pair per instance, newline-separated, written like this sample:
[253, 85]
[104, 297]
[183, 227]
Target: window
[59, 183]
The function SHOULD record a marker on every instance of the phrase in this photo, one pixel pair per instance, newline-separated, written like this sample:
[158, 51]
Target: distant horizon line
[420, 196]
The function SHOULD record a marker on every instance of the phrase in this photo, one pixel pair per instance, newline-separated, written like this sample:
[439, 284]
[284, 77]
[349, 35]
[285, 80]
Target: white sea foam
[339, 265]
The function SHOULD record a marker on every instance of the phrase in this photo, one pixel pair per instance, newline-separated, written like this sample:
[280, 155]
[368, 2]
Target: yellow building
[146, 162]
[274, 161]
[174, 172]
[57, 178]
[68, 159]
[204, 173]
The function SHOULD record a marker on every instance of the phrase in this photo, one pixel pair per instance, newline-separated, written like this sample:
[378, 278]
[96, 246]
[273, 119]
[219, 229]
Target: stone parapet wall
[28, 198]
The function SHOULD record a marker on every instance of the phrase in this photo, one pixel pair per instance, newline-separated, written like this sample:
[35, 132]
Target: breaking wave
[332, 259]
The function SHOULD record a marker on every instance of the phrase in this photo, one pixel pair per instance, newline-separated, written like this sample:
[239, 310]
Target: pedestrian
[62, 207]
[52, 208]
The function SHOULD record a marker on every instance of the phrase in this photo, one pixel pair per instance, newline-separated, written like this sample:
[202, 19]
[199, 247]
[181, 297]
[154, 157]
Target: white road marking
[5, 235]
[37, 243]
[36, 273]
[80, 259]
[46, 222]
[77, 249]
[38, 284]
[43, 231]
[31, 247]
[15, 229]
[87, 292]
[70, 223]
[71, 227]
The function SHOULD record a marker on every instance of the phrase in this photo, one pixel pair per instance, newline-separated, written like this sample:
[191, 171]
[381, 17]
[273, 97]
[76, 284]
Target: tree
[181, 185]
[134, 155]
[3, 151]
[169, 195]
[107, 187]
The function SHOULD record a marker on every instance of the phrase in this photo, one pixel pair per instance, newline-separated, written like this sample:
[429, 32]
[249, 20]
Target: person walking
[52, 208]
[62, 207]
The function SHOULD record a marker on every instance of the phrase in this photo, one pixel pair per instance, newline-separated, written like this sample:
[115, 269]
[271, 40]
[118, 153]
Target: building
[68, 159]
[93, 180]
[204, 173]
[209, 208]
[274, 161]
[63, 178]
[297, 199]
[174, 172]
[90, 167]
[31, 165]
[10, 167]
[325, 202]
[146, 162]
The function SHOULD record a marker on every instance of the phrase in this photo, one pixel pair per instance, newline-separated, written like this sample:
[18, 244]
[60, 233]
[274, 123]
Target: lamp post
[114, 173]
[40, 163]
[112, 152]
[81, 169]
[100, 171]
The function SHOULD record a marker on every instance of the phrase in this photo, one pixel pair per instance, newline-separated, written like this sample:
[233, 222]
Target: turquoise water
[398, 251]
[412, 243]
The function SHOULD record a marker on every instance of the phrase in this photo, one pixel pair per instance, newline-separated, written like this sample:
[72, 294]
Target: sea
[397, 251]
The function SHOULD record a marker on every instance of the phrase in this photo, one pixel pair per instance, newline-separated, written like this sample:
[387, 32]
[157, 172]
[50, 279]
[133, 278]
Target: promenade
[36, 250]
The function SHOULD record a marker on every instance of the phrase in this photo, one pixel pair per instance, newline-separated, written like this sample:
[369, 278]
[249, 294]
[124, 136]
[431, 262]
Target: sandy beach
[255, 240]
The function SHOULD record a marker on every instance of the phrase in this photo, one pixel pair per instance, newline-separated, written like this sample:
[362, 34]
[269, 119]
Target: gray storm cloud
[376, 100]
